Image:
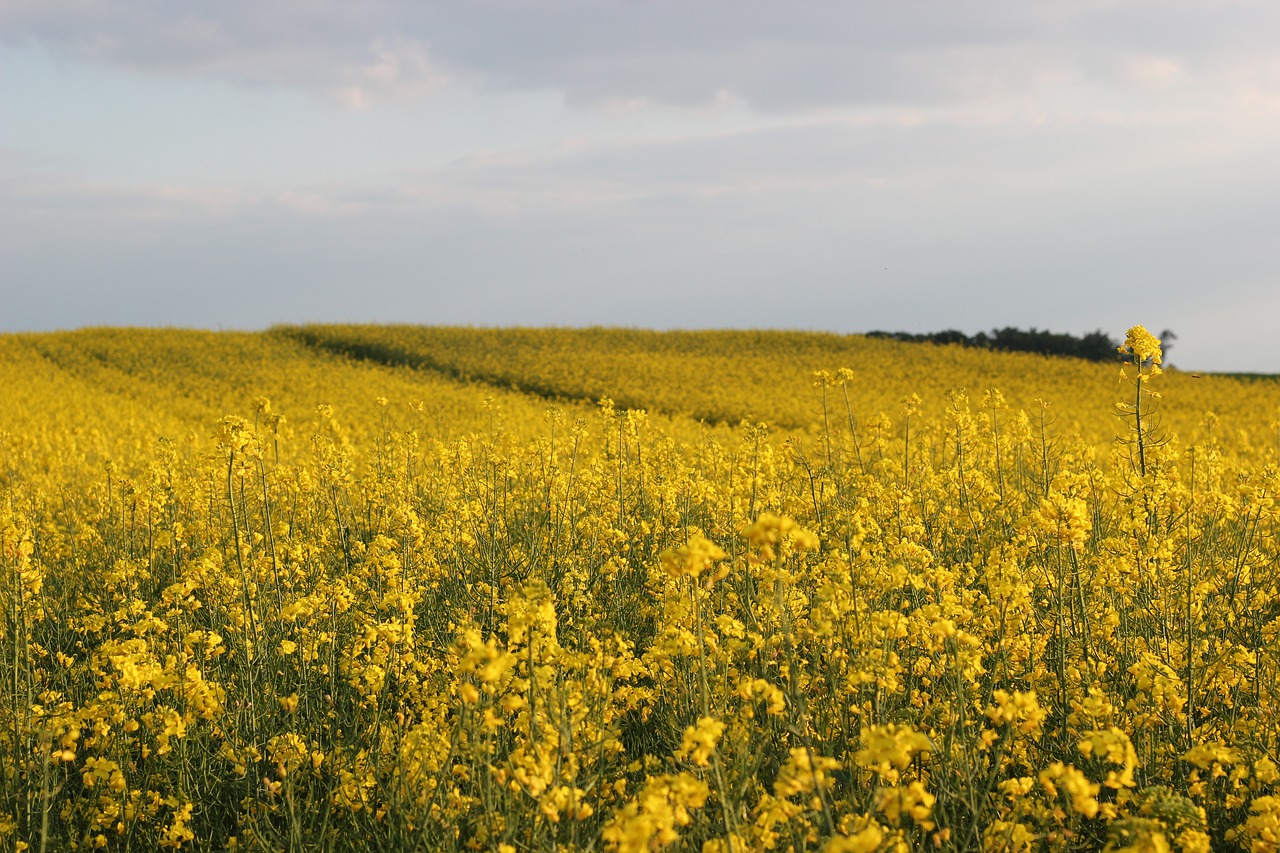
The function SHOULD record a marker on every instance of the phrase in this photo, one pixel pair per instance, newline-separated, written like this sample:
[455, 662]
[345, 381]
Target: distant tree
[950, 336]
[1098, 346]
[1095, 346]
[1167, 337]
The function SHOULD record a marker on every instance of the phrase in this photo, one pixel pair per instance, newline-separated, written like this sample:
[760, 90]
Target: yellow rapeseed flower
[699, 741]
[692, 558]
[1143, 345]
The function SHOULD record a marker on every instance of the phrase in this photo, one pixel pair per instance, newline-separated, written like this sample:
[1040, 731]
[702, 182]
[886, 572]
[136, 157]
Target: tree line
[1094, 346]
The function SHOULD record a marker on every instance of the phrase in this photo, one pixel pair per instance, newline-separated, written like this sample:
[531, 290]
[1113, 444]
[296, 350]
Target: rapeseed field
[395, 588]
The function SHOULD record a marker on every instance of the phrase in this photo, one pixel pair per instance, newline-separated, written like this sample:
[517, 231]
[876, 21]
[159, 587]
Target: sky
[837, 165]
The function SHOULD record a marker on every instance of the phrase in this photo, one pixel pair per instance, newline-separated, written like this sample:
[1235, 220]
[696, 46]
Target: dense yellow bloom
[178, 832]
[760, 689]
[1008, 837]
[650, 821]
[772, 534]
[1064, 520]
[1261, 831]
[1206, 756]
[371, 587]
[889, 749]
[866, 840]
[1082, 794]
[1113, 747]
[1142, 344]
[1138, 836]
[564, 801]
[692, 558]
[1018, 709]
[911, 800]
[803, 773]
[699, 741]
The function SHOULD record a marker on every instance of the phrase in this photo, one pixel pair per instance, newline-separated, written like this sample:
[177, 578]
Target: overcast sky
[842, 165]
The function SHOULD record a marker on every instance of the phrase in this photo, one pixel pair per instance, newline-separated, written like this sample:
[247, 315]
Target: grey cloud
[845, 226]
[773, 55]
[333, 48]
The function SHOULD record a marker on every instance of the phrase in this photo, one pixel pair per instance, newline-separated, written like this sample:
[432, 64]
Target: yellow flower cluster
[358, 588]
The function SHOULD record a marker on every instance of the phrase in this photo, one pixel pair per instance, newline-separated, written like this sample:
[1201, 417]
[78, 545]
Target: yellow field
[397, 588]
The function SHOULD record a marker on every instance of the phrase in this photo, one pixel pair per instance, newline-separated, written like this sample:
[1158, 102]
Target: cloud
[337, 50]
[774, 56]
[847, 225]
[903, 164]
[396, 68]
